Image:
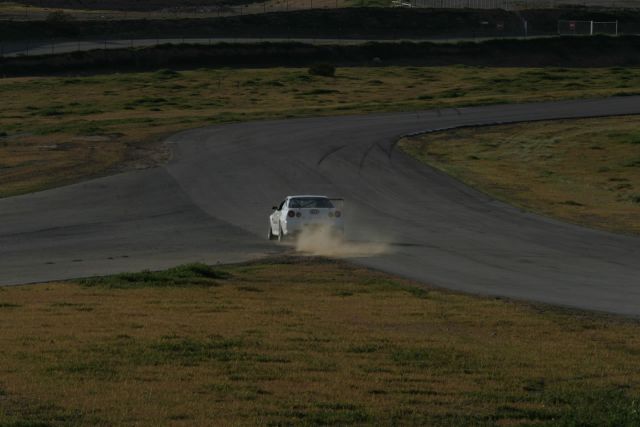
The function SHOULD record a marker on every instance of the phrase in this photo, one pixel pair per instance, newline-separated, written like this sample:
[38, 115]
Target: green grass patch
[185, 275]
[190, 351]
[8, 305]
[585, 171]
[299, 352]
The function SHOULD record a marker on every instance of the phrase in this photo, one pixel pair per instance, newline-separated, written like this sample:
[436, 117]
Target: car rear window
[310, 202]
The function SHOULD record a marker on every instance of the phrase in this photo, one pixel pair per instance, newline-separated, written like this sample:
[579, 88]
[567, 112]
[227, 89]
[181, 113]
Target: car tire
[270, 235]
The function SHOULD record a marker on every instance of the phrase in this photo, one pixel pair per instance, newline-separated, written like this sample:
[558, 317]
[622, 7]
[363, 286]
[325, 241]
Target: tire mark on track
[366, 153]
[330, 152]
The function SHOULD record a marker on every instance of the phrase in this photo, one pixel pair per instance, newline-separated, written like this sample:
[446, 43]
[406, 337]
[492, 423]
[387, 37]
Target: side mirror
[275, 208]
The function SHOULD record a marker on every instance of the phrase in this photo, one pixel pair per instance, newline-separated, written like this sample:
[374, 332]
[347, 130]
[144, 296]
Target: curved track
[211, 203]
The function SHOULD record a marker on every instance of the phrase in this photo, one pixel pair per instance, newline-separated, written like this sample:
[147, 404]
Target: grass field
[582, 171]
[57, 130]
[304, 341]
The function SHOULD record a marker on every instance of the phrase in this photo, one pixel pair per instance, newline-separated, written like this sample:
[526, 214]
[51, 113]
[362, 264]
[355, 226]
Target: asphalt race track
[211, 204]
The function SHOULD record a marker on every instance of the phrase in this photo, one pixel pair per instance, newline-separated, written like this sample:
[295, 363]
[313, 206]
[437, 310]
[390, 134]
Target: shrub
[166, 73]
[58, 17]
[325, 70]
[321, 92]
[196, 274]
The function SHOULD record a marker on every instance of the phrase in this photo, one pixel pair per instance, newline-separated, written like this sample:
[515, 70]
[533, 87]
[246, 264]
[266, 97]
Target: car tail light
[338, 214]
[291, 214]
[298, 214]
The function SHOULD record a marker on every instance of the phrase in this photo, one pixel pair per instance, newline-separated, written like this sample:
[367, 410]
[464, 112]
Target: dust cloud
[323, 241]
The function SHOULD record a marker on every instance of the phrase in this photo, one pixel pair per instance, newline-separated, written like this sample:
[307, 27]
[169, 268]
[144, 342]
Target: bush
[58, 17]
[196, 274]
[166, 73]
[325, 70]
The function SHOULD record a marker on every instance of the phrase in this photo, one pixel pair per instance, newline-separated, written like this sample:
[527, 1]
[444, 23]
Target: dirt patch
[145, 156]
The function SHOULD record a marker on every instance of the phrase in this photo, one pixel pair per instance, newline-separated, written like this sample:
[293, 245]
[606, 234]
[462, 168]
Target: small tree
[58, 17]
[325, 70]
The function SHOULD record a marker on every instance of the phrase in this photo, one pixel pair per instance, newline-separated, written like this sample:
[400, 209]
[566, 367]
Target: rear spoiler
[338, 202]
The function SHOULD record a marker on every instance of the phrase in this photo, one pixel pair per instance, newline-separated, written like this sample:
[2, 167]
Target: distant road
[43, 48]
[211, 203]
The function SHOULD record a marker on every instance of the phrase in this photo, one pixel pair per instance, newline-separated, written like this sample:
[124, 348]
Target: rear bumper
[296, 227]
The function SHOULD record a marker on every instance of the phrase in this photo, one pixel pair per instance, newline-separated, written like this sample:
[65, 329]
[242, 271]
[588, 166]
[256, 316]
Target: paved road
[211, 203]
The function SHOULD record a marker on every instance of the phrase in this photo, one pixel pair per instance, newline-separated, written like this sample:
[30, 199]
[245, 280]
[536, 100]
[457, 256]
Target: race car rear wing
[338, 203]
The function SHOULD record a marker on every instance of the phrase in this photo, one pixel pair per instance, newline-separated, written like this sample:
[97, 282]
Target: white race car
[296, 213]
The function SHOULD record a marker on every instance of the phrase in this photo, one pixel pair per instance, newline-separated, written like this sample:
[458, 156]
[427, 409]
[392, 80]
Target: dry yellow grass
[56, 130]
[305, 342]
[582, 171]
